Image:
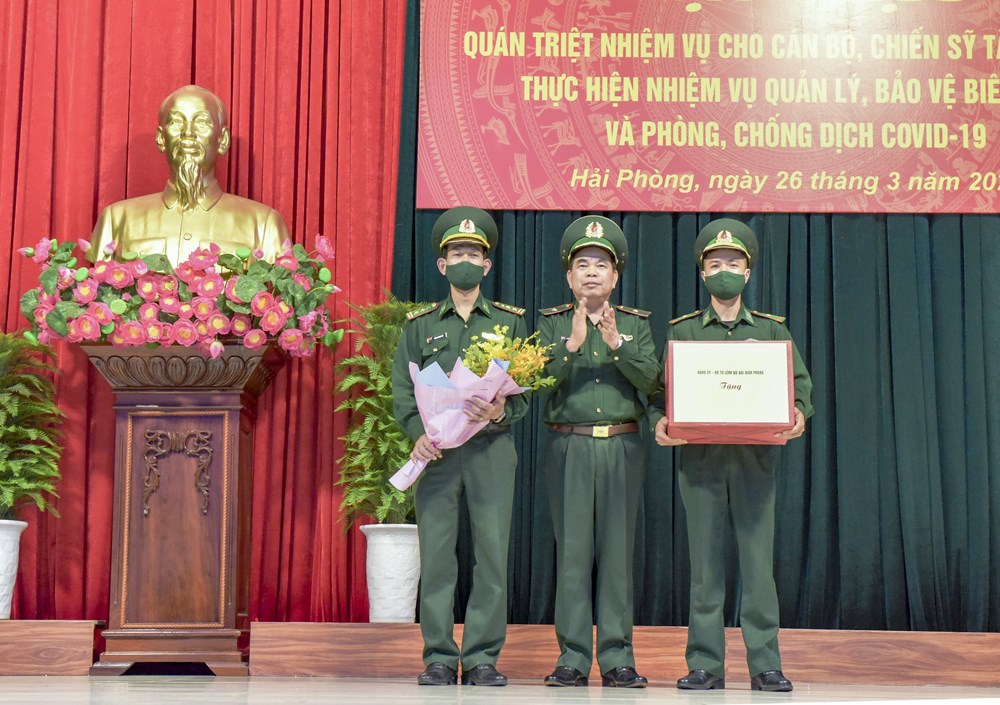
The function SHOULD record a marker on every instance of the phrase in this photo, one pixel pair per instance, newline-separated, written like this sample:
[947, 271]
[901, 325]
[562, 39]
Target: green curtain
[889, 507]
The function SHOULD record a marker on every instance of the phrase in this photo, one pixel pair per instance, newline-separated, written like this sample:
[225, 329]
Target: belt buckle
[601, 431]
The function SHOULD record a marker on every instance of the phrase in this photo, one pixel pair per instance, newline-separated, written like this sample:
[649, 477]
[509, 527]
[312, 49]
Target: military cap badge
[596, 231]
[726, 233]
[465, 224]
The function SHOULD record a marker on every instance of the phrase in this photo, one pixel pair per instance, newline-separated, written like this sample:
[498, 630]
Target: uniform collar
[711, 315]
[213, 192]
[449, 307]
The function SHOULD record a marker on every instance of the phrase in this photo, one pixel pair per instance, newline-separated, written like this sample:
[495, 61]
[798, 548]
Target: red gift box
[730, 392]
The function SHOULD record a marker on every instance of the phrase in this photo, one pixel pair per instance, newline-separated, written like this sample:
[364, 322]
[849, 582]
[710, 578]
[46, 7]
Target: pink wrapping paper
[441, 403]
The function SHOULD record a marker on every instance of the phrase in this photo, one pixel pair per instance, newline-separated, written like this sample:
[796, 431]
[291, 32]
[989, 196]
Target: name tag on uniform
[440, 336]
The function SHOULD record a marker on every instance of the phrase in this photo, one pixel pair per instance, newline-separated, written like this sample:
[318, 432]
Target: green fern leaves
[30, 421]
[375, 444]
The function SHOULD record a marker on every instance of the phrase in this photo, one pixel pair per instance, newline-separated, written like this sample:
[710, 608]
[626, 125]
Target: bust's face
[188, 131]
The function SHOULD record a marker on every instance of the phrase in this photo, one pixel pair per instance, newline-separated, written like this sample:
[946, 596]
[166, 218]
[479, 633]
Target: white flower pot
[10, 541]
[393, 567]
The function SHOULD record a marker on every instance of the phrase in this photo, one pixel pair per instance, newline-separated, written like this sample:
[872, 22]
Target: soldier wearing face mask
[482, 469]
[738, 481]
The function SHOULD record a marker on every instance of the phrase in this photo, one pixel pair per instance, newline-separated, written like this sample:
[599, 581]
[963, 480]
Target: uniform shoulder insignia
[555, 309]
[634, 311]
[685, 317]
[769, 316]
[418, 312]
[508, 308]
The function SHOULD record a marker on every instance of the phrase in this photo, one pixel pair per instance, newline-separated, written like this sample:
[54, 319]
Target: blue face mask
[725, 285]
[465, 276]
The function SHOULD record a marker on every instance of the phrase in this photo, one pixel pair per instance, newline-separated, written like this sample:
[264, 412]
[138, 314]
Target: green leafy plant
[30, 422]
[376, 446]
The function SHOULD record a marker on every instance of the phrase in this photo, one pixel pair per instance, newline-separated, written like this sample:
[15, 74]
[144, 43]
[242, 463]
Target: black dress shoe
[483, 674]
[700, 679]
[773, 681]
[565, 677]
[623, 677]
[437, 674]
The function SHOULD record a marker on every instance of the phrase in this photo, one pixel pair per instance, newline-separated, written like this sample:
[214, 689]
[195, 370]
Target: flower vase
[10, 540]
[393, 567]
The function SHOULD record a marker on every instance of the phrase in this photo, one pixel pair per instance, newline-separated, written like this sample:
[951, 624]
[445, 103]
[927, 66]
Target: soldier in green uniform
[603, 360]
[738, 481]
[482, 469]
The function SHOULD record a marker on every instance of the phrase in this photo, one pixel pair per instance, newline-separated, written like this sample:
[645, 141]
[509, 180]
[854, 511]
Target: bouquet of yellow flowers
[526, 357]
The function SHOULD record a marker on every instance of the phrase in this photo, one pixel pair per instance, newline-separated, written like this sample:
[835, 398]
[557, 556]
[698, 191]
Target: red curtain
[313, 89]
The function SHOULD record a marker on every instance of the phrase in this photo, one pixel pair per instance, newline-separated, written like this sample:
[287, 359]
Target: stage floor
[202, 690]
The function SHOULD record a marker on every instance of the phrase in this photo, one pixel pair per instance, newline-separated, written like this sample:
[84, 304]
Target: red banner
[720, 105]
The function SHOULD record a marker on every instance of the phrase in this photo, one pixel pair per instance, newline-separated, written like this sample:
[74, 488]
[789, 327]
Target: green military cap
[465, 224]
[726, 233]
[594, 231]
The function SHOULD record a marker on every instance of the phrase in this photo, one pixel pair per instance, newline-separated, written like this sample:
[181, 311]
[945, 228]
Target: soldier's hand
[479, 410]
[797, 430]
[578, 334]
[424, 450]
[660, 434]
[609, 327]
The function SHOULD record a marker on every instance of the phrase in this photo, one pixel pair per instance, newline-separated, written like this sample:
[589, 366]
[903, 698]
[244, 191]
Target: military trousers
[594, 489]
[718, 482]
[483, 469]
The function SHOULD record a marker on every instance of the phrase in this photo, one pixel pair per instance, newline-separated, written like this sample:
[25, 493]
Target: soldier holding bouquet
[482, 468]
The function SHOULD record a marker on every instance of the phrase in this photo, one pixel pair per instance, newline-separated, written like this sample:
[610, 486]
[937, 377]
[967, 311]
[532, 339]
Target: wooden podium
[181, 530]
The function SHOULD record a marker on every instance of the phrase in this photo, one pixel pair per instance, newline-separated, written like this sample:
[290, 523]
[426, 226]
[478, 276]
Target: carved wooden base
[183, 473]
[217, 649]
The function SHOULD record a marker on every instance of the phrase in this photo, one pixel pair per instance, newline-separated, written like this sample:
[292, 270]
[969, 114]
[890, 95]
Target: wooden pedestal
[181, 529]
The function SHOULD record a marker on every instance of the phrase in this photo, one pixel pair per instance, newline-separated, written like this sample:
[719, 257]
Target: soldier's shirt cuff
[622, 352]
[563, 354]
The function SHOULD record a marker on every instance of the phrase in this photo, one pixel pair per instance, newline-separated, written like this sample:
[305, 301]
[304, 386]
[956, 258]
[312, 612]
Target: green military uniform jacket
[749, 325]
[436, 333]
[597, 384]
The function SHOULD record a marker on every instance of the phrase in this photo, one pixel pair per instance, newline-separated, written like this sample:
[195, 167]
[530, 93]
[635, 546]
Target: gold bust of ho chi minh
[192, 211]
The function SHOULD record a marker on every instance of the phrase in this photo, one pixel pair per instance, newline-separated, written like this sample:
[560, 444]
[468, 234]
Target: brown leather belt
[595, 430]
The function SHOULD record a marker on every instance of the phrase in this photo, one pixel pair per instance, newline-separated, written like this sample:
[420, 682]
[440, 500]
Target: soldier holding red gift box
[720, 481]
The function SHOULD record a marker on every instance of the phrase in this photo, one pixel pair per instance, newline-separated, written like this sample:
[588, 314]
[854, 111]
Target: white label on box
[730, 382]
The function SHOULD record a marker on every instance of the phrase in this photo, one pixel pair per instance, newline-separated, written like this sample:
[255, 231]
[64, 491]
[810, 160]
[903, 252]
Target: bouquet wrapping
[493, 364]
[441, 403]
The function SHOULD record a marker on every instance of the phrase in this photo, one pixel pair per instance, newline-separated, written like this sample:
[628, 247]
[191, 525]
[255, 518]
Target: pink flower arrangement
[210, 297]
